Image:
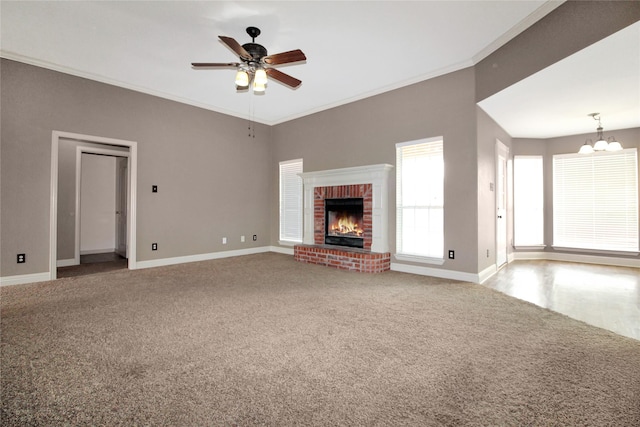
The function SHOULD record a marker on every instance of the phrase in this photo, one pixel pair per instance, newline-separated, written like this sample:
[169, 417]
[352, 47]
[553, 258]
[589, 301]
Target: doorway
[502, 156]
[123, 156]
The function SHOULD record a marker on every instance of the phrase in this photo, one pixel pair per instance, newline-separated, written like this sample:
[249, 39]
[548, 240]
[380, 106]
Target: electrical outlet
[154, 246]
[242, 239]
[255, 237]
[224, 240]
[22, 258]
[154, 188]
[452, 254]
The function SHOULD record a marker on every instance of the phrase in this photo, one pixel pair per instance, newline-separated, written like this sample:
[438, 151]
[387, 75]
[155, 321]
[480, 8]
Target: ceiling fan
[256, 64]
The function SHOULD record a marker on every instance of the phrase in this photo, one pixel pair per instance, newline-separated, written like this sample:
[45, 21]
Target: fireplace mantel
[376, 175]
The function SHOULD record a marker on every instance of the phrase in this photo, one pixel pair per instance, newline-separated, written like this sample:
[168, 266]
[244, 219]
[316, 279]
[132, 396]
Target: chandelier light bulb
[586, 148]
[613, 145]
[600, 145]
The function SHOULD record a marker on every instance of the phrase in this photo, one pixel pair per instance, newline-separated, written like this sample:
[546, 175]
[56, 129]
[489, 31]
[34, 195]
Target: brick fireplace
[370, 183]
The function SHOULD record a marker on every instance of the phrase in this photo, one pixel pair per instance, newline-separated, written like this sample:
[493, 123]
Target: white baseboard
[24, 278]
[281, 250]
[66, 262]
[487, 273]
[97, 251]
[436, 272]
[585, 259]
[200, 257]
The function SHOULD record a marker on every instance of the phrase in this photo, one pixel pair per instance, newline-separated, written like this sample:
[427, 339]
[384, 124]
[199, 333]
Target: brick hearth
[342, 258]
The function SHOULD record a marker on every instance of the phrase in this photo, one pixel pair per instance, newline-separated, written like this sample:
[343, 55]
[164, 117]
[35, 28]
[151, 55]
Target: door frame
[88, 150]
[132, 197]
[502, 149]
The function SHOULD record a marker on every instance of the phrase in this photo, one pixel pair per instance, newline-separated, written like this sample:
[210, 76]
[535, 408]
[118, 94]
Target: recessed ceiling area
[602, 78]
[354, 49]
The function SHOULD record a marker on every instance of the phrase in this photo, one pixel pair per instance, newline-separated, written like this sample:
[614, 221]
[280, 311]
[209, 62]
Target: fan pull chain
[252, 125]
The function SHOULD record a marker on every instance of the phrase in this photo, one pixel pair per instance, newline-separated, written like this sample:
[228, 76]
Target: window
[528, 201]
[595, 201]
[420, 199]
[291, 201]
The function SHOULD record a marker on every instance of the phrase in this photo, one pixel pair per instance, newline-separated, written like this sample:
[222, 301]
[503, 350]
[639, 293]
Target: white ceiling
[354, 50]
[602, 78]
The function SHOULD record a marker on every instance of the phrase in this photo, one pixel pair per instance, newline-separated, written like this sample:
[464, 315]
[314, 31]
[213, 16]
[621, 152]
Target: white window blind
[595, 201]
[528, 201]
[291, 201]
[420, 198]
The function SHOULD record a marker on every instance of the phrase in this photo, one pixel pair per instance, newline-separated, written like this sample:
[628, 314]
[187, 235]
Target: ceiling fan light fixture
[254, 63]
[242, 78]
[258, 87]
[260, 76]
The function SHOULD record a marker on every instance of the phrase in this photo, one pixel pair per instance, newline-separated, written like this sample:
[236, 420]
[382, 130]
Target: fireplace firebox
[344, 222]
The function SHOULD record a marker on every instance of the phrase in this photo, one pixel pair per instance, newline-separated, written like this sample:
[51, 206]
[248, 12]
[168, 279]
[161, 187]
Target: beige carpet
[263, 340]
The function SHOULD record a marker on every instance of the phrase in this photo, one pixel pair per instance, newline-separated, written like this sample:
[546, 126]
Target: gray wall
[629, 138]
[213, 180]
[365, 132]
[488, 132]
[571, 27]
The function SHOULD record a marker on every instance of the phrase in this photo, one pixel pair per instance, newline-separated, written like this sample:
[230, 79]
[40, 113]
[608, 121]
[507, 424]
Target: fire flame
[345, 226]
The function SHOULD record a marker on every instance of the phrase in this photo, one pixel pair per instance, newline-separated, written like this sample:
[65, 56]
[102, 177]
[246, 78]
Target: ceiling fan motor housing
[256, 50]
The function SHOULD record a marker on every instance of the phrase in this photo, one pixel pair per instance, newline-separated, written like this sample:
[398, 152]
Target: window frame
[518, 204]
[597, 160]
[285, 201]
[402, 254]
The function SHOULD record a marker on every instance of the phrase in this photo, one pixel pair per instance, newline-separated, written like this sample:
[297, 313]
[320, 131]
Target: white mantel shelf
[376, 175]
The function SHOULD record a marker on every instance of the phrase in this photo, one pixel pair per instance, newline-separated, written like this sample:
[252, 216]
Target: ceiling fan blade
[285, 57]
[283, 78]
[214, 64]
[236, 47]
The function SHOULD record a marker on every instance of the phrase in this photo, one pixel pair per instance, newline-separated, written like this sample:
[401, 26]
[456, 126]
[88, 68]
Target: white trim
[288, 243]
[596, 251]
[24, 278]
[436, 272]
[419, 259]
[530, 247]
[500, 149]
[270, 122]
[133, 192]
[278, 249]
[585, 259]
[200, 257]
[488, 272]
[542, 11]
[66, 262]
[89, 150]
[376, 175]
[98, 251]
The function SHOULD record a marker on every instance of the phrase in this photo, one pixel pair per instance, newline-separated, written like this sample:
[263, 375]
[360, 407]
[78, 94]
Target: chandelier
[602, 144]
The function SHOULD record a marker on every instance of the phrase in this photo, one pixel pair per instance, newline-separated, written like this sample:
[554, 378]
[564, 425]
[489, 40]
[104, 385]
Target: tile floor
[603, 296]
